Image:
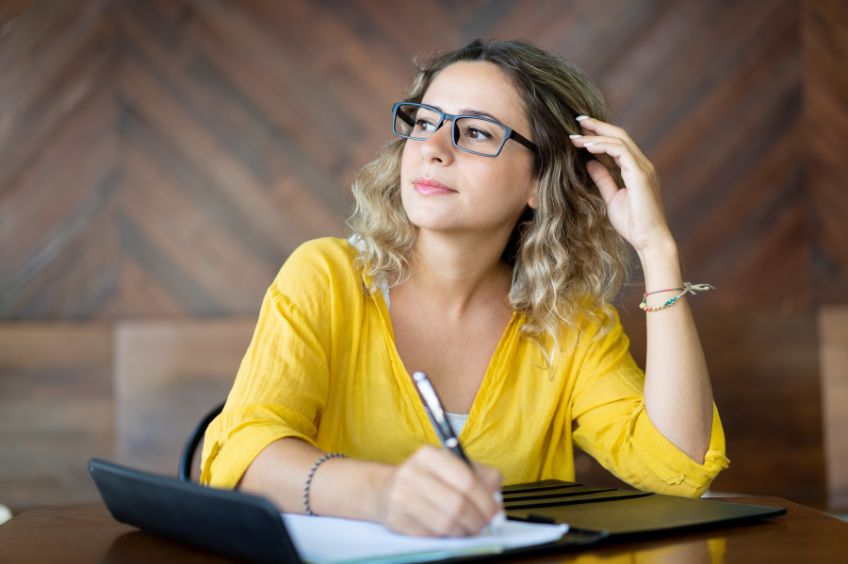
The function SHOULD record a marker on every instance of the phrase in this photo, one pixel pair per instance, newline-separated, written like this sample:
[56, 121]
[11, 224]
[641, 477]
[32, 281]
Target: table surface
[87, 533]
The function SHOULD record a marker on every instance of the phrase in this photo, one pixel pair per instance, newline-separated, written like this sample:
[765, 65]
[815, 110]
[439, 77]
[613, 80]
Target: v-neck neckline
[408, 386]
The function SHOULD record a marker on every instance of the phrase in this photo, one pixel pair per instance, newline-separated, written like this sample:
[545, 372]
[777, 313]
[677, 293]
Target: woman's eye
[477, 134]
[423, 125]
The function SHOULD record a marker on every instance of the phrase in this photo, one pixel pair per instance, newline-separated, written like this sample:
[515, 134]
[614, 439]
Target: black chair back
[187, 456]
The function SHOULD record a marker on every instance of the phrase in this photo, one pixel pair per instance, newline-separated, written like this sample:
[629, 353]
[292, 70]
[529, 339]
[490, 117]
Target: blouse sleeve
[281, 385]
[612, 425]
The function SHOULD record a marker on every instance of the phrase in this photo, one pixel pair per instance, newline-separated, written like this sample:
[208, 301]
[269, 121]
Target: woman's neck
[455, 272]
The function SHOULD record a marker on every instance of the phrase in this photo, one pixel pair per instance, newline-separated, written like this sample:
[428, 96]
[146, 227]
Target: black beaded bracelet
[324, 458]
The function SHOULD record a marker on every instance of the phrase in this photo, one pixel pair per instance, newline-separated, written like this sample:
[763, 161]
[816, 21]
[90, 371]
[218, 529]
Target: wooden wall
[160, 159]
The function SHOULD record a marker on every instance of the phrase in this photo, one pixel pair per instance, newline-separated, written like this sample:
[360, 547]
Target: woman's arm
[431, 493]
[678, 397]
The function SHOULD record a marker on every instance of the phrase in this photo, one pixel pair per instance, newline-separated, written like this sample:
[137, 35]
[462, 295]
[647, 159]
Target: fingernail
[581, 117]
[575, 136]
[587, 145]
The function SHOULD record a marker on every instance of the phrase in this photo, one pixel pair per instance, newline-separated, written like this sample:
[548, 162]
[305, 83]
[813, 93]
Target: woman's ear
[533, 201]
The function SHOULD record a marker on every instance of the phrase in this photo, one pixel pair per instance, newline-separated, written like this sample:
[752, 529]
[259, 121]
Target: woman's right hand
[434, 493]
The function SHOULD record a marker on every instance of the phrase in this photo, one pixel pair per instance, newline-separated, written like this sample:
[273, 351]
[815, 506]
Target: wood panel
[764, 372]
[11, 9]
[55, 410]
[227, 133]
[168, 374]
[58, 164]
[833, 326]
[825, 29]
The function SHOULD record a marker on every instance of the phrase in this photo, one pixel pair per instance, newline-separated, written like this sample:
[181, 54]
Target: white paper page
[329, 539]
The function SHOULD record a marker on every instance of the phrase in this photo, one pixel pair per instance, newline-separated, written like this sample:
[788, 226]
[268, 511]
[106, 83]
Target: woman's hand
[435, 493]
[635, 210]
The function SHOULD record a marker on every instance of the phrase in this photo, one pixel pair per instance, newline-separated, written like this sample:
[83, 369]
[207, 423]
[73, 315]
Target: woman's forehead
[479, 86]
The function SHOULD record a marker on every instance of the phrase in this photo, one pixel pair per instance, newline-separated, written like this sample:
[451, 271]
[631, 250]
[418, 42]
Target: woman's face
[446, 189]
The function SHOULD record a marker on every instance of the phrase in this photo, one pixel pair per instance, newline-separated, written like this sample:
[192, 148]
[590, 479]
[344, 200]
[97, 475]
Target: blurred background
[159, 160]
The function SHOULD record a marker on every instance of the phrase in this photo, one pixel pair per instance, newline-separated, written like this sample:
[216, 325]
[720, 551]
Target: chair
[187, 456]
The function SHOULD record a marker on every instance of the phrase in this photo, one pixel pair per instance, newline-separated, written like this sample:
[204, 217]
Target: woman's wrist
[373, 492]
[661, 265]
[350, 488]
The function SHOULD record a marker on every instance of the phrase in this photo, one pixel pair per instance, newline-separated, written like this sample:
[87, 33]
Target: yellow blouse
[322, 366]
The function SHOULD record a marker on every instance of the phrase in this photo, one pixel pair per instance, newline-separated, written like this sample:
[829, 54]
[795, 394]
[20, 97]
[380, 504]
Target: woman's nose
[439, 146]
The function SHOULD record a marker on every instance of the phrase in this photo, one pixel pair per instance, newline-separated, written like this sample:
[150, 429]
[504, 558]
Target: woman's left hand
[636, 210]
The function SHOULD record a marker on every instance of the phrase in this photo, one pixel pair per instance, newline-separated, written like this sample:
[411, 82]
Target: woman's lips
[431, 187]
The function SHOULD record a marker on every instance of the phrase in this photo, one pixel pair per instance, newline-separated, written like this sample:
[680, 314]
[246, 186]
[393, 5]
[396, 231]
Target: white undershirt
[457, 421]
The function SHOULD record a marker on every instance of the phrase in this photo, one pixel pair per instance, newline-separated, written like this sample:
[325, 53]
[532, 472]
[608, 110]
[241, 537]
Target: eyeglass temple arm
[523, 140]
[405, 117]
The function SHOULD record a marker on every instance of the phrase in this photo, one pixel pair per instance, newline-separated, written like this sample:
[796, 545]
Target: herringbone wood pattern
[162, 158]
[165, 157]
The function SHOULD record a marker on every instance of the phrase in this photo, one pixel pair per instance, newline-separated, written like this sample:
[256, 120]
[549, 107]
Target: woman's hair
[567, 260]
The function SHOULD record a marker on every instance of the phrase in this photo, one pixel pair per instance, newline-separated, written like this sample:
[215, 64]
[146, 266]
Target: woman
[486, 248]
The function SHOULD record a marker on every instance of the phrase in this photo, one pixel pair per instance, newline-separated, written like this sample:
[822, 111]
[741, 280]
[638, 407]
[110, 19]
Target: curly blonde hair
[567, 261]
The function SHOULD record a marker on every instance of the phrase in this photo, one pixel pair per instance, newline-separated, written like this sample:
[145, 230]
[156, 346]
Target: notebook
[251, 527]
[622, 513]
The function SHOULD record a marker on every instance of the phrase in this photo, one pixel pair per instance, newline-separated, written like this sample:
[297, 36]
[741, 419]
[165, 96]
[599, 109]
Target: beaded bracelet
[686, 289]
[324, 458]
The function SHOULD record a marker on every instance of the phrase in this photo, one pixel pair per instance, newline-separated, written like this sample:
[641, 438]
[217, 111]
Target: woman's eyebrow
[469, 112]
[473, 112]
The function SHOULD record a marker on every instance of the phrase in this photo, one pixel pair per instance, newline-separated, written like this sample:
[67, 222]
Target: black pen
[444, 430]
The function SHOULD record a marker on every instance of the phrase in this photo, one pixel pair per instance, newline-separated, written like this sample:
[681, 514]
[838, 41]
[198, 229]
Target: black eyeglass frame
[444, 116]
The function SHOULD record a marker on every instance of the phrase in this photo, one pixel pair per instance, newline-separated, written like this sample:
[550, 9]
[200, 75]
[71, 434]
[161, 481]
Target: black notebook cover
[222, 521]
[620, 513]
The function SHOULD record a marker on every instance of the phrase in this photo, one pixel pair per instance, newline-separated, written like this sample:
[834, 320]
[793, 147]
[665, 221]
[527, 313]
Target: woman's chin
[432, 219]
[434, 225]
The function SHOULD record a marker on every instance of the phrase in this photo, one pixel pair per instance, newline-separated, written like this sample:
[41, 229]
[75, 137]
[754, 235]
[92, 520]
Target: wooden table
[87, 533]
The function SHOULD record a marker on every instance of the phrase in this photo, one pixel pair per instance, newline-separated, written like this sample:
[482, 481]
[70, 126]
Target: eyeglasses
[476, 134]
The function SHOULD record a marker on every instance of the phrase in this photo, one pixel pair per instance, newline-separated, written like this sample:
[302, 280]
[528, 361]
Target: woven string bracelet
[686, 289]
[324, 458]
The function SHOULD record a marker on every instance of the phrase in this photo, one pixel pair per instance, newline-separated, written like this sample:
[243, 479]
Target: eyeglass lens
[475, 134]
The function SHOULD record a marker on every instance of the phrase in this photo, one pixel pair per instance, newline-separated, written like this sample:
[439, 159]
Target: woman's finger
[603, 179]
[491, 477]
[457, 475]
[416, 503]
[439, 509]
[440, 492]
[615, 148]
[598, 127]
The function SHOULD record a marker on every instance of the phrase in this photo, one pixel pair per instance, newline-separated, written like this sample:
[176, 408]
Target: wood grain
[223, 135]
[833, 327]
[168, 374]
[55, 408]
[825, 29]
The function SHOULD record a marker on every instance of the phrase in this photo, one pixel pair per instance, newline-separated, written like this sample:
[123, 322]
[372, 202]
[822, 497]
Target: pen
[444, 430]
[441, 424]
